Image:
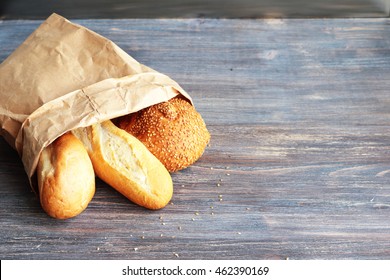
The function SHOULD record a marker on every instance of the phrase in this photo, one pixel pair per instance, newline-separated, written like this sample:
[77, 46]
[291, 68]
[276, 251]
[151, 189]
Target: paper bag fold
[65, 76]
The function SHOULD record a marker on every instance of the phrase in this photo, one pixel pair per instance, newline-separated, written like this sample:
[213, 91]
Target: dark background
[41, 9]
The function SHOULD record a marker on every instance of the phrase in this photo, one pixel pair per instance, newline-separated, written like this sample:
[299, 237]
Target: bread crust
[66, 180]
[173, 131]
[127, 165]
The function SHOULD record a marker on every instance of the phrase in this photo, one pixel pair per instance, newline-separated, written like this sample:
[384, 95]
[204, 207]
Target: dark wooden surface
[41, 9]
[299, 162]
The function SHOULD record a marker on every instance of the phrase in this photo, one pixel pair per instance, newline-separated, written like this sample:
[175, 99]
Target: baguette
[126, 164]
[66, 180]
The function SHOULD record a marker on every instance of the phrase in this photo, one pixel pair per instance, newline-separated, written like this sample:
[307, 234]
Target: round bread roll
[173, 131]
[66, 179]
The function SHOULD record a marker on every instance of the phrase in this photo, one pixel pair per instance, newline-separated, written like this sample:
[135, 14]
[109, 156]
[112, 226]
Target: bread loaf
[66, 180]
[127, 165]
[173, 131]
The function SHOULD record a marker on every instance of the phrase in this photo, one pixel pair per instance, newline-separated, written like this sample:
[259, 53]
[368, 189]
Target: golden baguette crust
[173, 131]
[125, 163]
[66, 179]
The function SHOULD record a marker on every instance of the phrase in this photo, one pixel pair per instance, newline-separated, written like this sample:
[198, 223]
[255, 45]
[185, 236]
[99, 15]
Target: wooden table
[299, 162]
[95, 9]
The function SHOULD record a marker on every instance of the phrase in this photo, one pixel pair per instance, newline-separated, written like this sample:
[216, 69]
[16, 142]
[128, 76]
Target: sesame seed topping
[173, 131]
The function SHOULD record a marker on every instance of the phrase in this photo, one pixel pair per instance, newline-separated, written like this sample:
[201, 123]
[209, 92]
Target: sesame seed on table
[298, 165]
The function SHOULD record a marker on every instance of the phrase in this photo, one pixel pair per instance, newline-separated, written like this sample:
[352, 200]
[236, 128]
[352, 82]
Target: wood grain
[41, 9]
[299, 162]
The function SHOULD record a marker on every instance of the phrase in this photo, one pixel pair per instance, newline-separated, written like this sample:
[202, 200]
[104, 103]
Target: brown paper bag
[64, 76]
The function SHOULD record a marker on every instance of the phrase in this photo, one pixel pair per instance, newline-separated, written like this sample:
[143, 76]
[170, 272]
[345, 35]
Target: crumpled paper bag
[64, 76]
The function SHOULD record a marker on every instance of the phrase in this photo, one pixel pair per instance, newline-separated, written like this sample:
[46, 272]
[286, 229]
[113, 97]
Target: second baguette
[124, 163]
[66, 178]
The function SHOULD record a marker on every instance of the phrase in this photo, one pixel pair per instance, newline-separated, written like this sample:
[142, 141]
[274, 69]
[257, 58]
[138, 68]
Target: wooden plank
[299, 116]
[41, 9]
